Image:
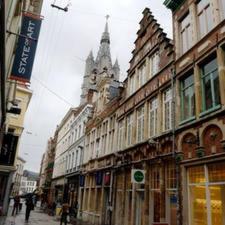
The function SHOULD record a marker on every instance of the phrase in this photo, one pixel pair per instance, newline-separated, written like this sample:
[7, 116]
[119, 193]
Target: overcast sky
[65, 41]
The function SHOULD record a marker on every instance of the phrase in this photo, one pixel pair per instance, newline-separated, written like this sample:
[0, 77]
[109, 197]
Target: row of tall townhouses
[15, 95]
[69, 153]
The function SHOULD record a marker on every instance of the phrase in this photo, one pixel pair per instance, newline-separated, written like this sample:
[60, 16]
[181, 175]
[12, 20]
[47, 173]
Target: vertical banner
[98, 178]
[26, 48]
[82, 180]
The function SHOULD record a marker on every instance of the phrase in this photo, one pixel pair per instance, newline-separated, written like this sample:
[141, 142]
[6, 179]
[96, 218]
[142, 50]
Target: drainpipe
[177, 166]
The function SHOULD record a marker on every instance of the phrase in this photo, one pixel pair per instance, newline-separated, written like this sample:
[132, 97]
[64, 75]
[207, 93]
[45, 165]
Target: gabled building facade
[145, 132]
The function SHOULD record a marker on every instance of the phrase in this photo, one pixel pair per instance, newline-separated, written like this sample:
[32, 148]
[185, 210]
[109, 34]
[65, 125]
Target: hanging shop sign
[82, 180]
[8, 150]
[107, 178]
[98, 178]
[26, 48]
[137, 176]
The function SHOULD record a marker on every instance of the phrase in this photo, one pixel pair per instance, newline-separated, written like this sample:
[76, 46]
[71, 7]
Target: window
[132, 84]
[185, 33]
[205, 18]
[187, 98]
[154, 63]
[167, 109]
[129, 129]
[155, 193]
[72, 162]
[153, 108]
[140, 123]
[210, 85]
[141, 75]
[121, 134]
[206, 185]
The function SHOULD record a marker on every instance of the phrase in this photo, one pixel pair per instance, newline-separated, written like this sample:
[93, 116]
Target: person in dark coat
[16, 204]
[64, 213]
[29, 206]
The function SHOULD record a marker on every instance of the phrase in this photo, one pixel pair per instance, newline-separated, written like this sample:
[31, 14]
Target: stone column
[198, 96]
[221, 70]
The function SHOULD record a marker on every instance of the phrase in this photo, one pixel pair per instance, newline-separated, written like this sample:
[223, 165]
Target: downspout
[177, 166]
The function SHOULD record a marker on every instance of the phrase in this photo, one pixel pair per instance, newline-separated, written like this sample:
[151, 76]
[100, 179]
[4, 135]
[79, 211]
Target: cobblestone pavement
[37, 217]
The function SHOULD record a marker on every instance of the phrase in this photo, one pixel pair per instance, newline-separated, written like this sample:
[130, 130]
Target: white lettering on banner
[26, 48]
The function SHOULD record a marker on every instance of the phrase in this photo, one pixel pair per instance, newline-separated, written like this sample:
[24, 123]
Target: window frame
[202, 77]
[169, 101]
[205, 17]
[206, 183]
[186, 31]
[153, 110]
[141, 121]
[182, 90]
[154, 63]
[130, 121]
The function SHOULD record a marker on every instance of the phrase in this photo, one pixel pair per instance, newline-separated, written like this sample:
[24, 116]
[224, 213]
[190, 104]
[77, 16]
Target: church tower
[103, 62]
[89, 67]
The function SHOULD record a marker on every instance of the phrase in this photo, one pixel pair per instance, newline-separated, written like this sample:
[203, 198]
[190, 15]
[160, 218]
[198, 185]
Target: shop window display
[207, 194]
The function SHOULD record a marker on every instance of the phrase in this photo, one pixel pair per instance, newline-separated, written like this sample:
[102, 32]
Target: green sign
[138, 176]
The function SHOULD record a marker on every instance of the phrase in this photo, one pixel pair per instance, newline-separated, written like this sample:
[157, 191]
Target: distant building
[63, 142]
[28, 182]
[47, 165]
[17, 177]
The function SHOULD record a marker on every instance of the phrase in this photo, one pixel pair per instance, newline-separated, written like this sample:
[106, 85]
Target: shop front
[3, 184]
[73, 188]
[206, 194]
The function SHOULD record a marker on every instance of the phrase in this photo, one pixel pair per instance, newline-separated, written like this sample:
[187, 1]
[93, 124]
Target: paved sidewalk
[37, 217]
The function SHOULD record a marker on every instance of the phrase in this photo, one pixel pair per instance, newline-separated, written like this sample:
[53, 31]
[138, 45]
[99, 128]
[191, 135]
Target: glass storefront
[207, 194]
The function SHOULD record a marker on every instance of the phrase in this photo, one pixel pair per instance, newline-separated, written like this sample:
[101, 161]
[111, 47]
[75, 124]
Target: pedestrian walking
[64, 213]
[16, 204]
[29, 206]
[75, 208]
